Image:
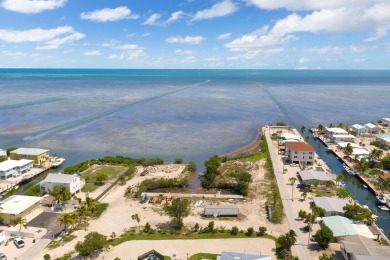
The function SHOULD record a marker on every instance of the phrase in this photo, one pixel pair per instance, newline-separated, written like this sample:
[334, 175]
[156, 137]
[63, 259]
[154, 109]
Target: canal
[362, 195]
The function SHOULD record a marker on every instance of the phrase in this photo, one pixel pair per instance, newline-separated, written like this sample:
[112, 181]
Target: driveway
[50, 219]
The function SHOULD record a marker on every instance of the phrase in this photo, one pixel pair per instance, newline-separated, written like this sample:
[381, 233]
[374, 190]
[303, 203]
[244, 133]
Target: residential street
[301, 245]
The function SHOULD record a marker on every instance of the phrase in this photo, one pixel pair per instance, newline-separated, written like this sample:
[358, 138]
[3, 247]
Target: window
[303, 157]
[310, 157]
[296, 152]
[303, 152]
[295, 156]
[310, 152]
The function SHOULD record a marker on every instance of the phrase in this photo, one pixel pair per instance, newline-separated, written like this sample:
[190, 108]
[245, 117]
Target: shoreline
[247, 149]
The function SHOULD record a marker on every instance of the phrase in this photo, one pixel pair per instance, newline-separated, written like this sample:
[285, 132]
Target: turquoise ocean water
[193, 114]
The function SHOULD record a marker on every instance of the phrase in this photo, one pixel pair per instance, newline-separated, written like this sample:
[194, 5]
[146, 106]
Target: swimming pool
[320, 169]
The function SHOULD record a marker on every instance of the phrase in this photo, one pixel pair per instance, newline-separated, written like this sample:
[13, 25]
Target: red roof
[299, 146]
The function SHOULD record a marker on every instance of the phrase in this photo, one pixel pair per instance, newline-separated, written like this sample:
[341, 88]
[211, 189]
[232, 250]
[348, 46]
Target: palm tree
[136, 218]
[21, 222]
[340, 125]
[348, 150]
[362, 165]
[303, 129]
[67, 219]
[304, 194]
[321, 127]
[292, 237]
[83, 211]
[61, 193]
[292, 180]
[91, 204]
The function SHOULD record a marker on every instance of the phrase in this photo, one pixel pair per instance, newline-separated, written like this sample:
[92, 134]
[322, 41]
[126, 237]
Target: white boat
[58, 161]
[384, 208]
[381, 199]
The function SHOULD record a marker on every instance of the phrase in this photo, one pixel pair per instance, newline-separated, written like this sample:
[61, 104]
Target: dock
[10, 183]
[340, 157]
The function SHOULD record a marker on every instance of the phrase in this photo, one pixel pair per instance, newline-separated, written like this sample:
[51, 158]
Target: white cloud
[174, 17]
[259, 39]
[18, 54]
[109, 15]
[336, 49]
[139, 35]
[185, 52]
[220, 9]
[224, 36]
[298, 5]
[256, 53]
[186, 39]
[93, 53]
[32, 6]
[57, 42]
[128, 51]
[334, 16]
[126, 47]
[34, 35]
[52, 38]
[154, 19]
[304, 60]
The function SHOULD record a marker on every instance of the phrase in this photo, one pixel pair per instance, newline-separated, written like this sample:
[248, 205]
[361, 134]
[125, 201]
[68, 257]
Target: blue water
[193, 114]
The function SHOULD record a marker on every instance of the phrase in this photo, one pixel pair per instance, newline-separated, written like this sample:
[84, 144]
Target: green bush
[250, 231]
[178, 161]
[153, 184]
[191, 166]
[93, 241]
[262, 231]
[234, 231]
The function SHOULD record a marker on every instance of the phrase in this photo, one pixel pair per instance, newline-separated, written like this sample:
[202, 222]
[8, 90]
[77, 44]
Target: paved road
[300, 247]
[36, 250]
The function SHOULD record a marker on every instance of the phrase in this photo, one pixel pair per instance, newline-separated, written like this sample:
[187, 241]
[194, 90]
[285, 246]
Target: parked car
[303, 185]
[132, 186]
[2, 256]
[19, 243]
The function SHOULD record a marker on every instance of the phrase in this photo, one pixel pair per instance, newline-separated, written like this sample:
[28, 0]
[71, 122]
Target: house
[221, 211]
[300, 153]
[27, 207]
[373, 129]
[14, 168]
[359, 129]
[340, 226]
[312, 177]
[332, 206]
[288, 136]
[39, 156]
[357, 247]
[384, 139]
[72, 182]
[247, 255]
[331, 132]
[344, 138]
[386, 121]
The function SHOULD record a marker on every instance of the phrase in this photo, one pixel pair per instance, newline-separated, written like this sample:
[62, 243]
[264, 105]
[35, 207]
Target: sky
[199, 34]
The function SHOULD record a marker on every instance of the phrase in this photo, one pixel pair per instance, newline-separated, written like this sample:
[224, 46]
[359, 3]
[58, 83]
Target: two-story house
[300, 153]
[72, 182]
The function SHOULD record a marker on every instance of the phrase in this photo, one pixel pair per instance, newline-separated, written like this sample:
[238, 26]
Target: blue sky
[241, 34]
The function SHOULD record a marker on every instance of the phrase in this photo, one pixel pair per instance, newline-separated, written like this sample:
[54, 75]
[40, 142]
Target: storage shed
[221, 211]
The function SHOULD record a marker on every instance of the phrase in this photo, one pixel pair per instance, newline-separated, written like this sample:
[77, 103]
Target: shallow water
[192, 114]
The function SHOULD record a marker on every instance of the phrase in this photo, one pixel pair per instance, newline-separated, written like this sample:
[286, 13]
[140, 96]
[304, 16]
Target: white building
[14, 168]
[72, 182]
[373, 129]
[384, 139]
[312, 177]
[332, 206]
[344, 138]
[386, 121]
[3, 153]
[332, 132]
[359, 129]
[300, 153]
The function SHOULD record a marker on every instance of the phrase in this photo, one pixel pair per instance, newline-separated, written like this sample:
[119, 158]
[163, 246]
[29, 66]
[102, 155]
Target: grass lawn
[200, 256]
[112, 172]
[158, 236]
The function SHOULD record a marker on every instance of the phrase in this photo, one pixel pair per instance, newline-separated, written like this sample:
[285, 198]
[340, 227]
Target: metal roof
[340, 226]
[30, 151]
[10, 164]
[16, 204]
[330, 204]
[60, 178]
[314, 175]
[363, 246]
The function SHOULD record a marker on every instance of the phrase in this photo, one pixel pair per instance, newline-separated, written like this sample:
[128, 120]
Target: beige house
[300, 153]
[39, 156]
[27, 207]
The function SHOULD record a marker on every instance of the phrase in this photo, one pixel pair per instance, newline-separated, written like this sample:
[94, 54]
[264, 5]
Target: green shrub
[191, 166]
[234, 231]
[178, 161]
[250, 231]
